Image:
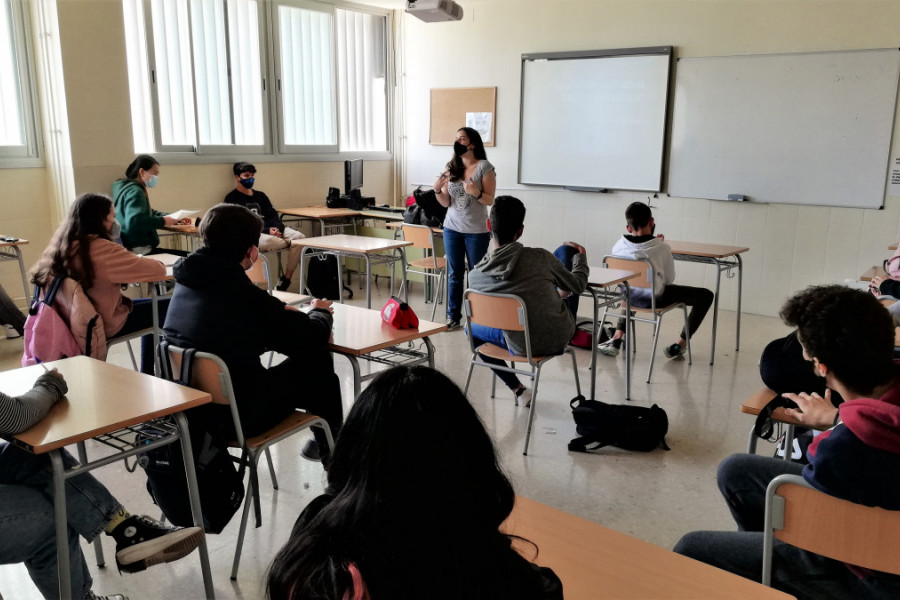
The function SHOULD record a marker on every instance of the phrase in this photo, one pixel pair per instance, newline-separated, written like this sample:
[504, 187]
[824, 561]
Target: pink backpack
[892, 265]
[47, 335]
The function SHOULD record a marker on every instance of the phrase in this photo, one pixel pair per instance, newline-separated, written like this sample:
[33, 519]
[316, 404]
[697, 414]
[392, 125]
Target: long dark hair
[83, 222]
[142, 161]
[415, 499]
[455, 167]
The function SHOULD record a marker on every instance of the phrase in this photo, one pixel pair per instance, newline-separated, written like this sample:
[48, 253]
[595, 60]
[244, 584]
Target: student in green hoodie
[139, 222]
[549, 284]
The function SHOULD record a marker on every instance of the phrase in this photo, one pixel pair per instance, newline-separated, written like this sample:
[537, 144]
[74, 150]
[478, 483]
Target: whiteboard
[809, 128]
[594, 119]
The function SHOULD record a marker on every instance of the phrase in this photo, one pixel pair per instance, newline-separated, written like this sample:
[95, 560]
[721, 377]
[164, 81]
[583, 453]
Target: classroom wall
[791, 246]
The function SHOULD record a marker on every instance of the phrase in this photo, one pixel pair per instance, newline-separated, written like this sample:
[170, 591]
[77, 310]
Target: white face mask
[115, 232]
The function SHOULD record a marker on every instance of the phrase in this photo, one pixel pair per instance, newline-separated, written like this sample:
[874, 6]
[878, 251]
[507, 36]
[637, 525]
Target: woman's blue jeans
[459, 247]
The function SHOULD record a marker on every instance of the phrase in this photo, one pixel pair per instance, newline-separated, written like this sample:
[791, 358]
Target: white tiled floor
[656, 496]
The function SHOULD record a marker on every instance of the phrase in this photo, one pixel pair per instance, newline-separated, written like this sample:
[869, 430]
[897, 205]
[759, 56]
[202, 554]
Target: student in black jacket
[215, 308]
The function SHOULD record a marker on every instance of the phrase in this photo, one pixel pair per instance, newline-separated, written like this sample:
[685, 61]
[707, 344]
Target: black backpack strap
[576, 401]
[580, 444]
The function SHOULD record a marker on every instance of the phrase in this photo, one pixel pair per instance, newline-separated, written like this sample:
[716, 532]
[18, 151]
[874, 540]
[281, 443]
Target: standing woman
[139, 222]
[467, 188]
[82, 249]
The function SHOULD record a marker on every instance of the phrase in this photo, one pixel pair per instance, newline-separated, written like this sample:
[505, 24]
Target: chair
[127, 339]
[259, 273]
[508, 312]
[646, 280]
[802, 516]
[210, 374]
[433, 266]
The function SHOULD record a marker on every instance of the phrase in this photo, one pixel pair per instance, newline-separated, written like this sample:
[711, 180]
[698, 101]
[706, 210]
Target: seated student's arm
[19, 413]
[814, 410]
[270, 215]
[293, 332]
[885, 286]
[118, 265]
[669, 264]
[576, 280]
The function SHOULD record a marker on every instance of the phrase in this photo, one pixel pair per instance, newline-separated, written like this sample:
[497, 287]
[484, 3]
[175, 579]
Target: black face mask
[459, 149]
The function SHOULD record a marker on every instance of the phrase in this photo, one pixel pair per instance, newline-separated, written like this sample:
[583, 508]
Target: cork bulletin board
[452, 108]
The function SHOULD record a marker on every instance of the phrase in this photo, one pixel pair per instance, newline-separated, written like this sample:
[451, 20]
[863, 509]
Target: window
[18, 137]
[199, 72]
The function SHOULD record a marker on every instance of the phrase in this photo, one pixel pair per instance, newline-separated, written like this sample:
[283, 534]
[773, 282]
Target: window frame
[273, 150]
[29, 154]
[199, 149]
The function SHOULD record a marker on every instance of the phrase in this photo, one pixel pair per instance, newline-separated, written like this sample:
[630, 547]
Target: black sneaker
[674, 351]
[310, 451]
[92, 596]
[284, 284]
[452, 324]
[142, 542]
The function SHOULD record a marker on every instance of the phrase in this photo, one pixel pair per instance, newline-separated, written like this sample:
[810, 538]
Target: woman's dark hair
[415, 499]
[847, 330]
[83, 222]
[230, 230]
[455, 167]
[143, 161]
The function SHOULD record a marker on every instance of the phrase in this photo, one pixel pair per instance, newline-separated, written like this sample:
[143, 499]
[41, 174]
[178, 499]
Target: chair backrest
[641, 266]
[500, 311]
[800, 515]
[421, 236]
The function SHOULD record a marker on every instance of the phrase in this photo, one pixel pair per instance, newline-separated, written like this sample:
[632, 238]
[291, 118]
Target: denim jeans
[141, 317]
[459, 247]
[743, 479]
[490, 335]
[27, 524]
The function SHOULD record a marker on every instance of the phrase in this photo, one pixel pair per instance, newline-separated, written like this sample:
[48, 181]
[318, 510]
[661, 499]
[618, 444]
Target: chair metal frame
[219, 385]
[646, 280]
[259, 273]
[802, 516]
[418, 234]
[508, 312]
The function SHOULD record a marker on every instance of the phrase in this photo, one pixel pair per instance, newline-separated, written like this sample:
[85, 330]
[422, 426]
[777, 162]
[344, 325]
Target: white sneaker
[607, 349]
[525, 397]
[11, 332]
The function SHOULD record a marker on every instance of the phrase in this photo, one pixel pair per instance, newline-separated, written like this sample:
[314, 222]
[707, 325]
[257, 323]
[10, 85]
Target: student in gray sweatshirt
[549, 284]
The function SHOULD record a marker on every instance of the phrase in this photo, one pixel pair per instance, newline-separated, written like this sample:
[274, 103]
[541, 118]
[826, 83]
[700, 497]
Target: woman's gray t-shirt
[466, 214]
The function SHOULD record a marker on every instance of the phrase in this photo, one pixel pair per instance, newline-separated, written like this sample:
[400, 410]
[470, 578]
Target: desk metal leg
[628, 341]
[368, 282]
[712, 351]
[302, 283]
[340, 268]
[194, 495]
[154, 294]
[357, 376]
[405, 284]
[24, 276]
[596, 336]
[64, 569]
[430, 347]
[740, 270]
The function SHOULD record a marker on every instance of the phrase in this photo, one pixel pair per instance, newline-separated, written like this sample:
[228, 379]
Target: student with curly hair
[848, 336]
[405, 517]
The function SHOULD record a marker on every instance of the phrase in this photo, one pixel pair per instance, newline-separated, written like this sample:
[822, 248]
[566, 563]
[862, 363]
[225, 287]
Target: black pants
[141, 317]
[698, 299]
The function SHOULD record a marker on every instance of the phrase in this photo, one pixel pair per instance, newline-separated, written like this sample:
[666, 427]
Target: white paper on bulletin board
[482, 123]
[894, 177]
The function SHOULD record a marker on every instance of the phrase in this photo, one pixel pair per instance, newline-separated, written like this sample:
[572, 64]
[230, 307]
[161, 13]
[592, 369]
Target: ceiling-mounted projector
[433, 11]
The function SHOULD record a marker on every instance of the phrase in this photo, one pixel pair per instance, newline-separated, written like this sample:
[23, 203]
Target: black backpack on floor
[322, 278]
[625, 426]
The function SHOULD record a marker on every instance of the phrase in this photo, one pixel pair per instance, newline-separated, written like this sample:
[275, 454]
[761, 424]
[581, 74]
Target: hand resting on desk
[815, 411]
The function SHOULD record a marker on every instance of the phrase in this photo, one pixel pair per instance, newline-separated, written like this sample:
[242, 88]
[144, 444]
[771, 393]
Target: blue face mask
[154, 179]
[248, 183]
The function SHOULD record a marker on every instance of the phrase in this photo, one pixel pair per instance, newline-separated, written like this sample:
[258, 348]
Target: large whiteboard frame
[806, 128]
[594, 119]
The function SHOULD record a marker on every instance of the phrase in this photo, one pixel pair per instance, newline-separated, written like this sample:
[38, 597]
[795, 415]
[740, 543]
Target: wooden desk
[381, 215]
[873, 272]
[725, 258]
[11, 251]
[169, 260]
[368, 248]
[105, 402]
[595, 562]
[323, 214]
[190, 233]
[361, 333]
[893, 246]
[608, 287]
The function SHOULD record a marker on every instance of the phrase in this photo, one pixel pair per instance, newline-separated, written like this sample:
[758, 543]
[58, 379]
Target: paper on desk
[183, 214]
